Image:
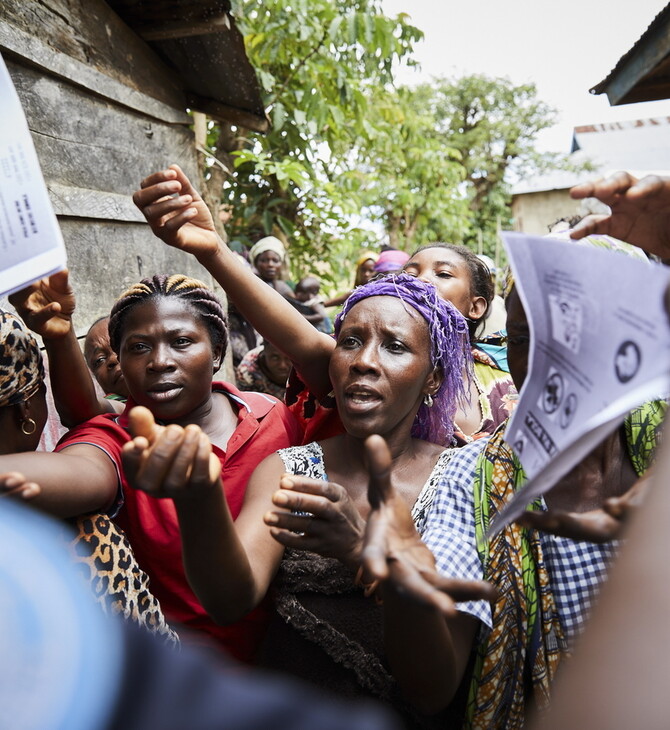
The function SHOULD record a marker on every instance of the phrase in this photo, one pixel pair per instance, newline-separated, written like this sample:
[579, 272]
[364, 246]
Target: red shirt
[263, 426]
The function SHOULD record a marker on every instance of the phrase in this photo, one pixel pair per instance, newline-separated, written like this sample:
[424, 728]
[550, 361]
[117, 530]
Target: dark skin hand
[393, 550]
[598, 525]
[640, 211]
[168, 461]
[14, 484]
[333, 526]
[47, 305]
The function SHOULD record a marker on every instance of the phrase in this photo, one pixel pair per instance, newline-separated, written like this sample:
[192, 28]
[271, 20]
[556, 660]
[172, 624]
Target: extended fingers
[14, 484]
[156, 463]
[590, 225]
[594, 526]
[462, 590]
[379, 461]
[293, 483]
[169, 173]
[298, 502]
[375, 547]
[413, 584]
[605, 189]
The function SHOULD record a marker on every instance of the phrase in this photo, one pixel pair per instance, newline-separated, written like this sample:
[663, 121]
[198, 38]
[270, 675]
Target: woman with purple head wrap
[397, 370]
[448, 332]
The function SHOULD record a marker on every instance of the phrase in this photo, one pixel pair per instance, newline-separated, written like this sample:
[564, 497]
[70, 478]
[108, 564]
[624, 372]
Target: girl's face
[167, 358]
[268, 265]
[380, 368]
[365, 272]
[449, 274]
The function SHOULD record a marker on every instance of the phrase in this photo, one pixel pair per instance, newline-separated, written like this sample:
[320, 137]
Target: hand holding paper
[600, 346]
[31, 245]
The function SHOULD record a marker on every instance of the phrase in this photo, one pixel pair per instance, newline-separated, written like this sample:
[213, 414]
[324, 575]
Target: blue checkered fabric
[450, 526]
[576, 569]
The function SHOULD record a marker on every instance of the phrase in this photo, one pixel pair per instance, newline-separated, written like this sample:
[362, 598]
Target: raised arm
[428, 642]
[179, 217]
[229, 565]
[640, 211]
[47, 307]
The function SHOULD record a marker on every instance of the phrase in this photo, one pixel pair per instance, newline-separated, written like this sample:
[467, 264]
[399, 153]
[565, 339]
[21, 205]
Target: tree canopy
[349, 155]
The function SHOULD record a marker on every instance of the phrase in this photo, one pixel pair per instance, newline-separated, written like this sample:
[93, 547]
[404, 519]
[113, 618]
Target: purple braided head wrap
[449, 351]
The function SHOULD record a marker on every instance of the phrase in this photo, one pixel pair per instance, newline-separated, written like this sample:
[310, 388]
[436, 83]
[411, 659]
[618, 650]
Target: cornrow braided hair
[449, 348]
[192, 291]
[480, 278]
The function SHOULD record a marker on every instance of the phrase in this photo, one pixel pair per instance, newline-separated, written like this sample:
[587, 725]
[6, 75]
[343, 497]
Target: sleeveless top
[325, 631]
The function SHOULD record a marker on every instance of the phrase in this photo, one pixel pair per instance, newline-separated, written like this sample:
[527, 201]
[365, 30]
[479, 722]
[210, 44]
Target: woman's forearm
[427, 653]
[274, 318]
[71, 382]
[215, 561]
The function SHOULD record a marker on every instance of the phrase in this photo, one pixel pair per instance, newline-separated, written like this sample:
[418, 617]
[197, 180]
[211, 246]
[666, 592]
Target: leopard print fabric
[105, 559]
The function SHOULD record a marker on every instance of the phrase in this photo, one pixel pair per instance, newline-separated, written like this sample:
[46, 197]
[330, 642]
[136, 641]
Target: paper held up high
[599, 347]
[31, 245]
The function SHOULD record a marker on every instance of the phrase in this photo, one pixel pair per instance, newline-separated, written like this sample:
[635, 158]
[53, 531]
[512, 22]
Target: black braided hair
[480, 278]
[192, 291]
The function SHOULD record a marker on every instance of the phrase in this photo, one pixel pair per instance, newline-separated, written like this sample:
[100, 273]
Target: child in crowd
[265, 370]
[310, 305]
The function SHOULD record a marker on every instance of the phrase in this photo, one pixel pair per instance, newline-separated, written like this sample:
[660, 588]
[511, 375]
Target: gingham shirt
[576, 569]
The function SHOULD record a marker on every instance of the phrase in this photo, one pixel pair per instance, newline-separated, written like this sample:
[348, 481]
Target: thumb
[141, 423]
[379, 469]
[60, 281]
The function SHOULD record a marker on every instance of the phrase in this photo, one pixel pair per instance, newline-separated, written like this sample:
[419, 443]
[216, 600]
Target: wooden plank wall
[104, 111]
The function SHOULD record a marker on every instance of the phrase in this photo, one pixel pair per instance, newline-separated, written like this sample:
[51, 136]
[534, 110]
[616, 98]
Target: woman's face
[102, 360]
[167, 358]
[277, 365]
[380, 368]
[268, 265]
[449, 274]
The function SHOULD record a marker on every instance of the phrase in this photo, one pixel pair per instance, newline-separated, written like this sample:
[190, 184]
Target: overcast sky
[565, 47]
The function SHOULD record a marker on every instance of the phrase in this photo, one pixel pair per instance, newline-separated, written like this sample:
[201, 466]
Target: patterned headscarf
[269, 243]
[21, 367]
[449, 348]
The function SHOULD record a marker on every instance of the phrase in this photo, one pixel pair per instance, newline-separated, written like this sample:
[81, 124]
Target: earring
[428, 400]
[28, 426]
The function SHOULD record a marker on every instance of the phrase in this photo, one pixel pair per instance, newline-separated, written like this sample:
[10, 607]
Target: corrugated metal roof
[643, 73]
[639, 146]
[199, 39]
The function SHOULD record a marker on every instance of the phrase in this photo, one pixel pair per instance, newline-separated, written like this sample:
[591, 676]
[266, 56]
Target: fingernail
[280, 498]
[270, 518]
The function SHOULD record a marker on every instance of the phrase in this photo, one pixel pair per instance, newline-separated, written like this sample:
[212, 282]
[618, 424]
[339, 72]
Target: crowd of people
[325, 517]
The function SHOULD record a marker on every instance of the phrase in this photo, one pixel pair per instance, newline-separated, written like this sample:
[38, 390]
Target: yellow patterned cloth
[517, 661]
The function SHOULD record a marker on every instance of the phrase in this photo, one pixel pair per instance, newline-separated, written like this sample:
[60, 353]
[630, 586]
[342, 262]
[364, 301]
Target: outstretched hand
[14, 484]
[176, 212]
[393, 551]
[47, 305]
[168, 461]
[317, 516]
[640, 211]
[599, 525]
